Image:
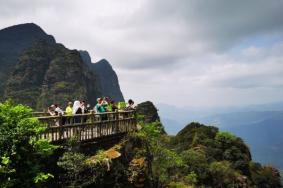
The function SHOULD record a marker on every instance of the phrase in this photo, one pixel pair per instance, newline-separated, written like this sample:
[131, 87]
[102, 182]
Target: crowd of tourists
[104, 104]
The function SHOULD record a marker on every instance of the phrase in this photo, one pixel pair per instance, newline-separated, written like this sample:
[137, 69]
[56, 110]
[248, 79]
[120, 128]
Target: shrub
[21, 151]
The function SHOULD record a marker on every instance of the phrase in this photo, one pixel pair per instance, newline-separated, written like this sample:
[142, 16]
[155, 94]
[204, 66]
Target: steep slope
[265, 139]
[260, 129]
[220, 159]
[149, 111]
[106, 75]
[13, 41]
[37, 71]
[50, 73]
[150, 115]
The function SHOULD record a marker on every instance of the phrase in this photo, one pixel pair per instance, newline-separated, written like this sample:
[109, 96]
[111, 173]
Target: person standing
[100, 106]
[69, 109]
[131, 105]
[51, 110]
[69, 112]
[77, 110]
[84, 110]
[58, 110]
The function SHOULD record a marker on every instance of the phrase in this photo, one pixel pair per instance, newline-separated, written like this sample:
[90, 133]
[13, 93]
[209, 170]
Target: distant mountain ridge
[260, 126]
[37, 71]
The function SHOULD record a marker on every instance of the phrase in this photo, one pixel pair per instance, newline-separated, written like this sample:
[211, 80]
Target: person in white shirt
[131, 105]
[58, 110]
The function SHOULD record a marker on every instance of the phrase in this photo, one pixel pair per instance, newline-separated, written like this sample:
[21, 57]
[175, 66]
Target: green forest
[198, 156]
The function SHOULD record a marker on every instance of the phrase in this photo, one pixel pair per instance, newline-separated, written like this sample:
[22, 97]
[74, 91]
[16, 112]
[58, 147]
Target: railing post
[87, 127]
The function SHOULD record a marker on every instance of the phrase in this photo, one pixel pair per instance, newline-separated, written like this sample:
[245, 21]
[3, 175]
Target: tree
[234, 150]
[196, 161]
[224, 175]
[21, 150]
[265, 176]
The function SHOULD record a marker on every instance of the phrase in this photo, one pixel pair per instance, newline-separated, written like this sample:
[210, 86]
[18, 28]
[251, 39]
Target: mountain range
[260, 126]
[37, 71]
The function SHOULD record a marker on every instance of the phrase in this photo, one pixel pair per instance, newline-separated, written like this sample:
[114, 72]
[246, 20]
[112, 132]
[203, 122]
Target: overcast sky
[188, 52]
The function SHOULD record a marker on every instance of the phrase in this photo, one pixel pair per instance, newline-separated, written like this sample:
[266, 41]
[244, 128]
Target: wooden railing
[85, 127]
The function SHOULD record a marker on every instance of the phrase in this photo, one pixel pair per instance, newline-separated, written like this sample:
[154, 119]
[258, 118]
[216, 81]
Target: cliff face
[50, 73]
[149, 111]
[150, 115]
[106, 75]
[37, 71]
[13, 41]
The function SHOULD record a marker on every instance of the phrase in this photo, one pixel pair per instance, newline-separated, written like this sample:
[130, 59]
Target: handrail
[88, 126]
[91, 113]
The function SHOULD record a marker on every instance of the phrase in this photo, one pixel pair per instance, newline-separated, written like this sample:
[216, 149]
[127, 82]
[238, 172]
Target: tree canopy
[22, 152]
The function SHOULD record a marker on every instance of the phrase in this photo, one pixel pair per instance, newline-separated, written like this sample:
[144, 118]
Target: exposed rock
[37, 71]
[150, 114]
[106, 75]
[50, 73]
[13, 41]
[149, 111]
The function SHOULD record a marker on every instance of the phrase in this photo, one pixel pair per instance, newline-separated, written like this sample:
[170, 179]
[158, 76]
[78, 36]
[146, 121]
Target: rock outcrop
[106, 75]
[50, 73]
[37, 71]
[150, 114]
[149, 111]
[13, 41]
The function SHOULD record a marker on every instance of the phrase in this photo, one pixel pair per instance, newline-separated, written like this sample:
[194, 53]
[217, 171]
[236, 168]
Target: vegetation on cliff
[37, 71]
[198, 156]
[50, 73]
[13, 41]
[22, 153]
[107, 77]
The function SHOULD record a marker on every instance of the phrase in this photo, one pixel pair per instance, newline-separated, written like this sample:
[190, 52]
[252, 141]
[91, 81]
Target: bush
[21, 151]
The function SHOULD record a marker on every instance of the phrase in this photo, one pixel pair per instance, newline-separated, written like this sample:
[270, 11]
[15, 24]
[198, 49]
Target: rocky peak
[108, 79]
[85, 57]
[14, 41]
[149, 111]
[24, 32]
[37, 71]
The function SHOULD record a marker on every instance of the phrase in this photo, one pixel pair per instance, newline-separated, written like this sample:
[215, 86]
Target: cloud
[143, 34]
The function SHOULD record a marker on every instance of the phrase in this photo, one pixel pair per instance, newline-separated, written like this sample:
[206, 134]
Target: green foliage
[42, 177]
[233, 149]
[5, 160]
[179, 185]
[80, 171]
[49, 73]
[193, 135]
[151, 131]
[223, 174]
[166, 162]
[213, 158]
[191, 178]
[21, 152]
[265, 176]
[198, 156]
[196, 161]
[73, 162]
[225, 137]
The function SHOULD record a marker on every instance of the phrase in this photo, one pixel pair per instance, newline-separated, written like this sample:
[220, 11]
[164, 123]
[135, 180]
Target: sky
[204, 53]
